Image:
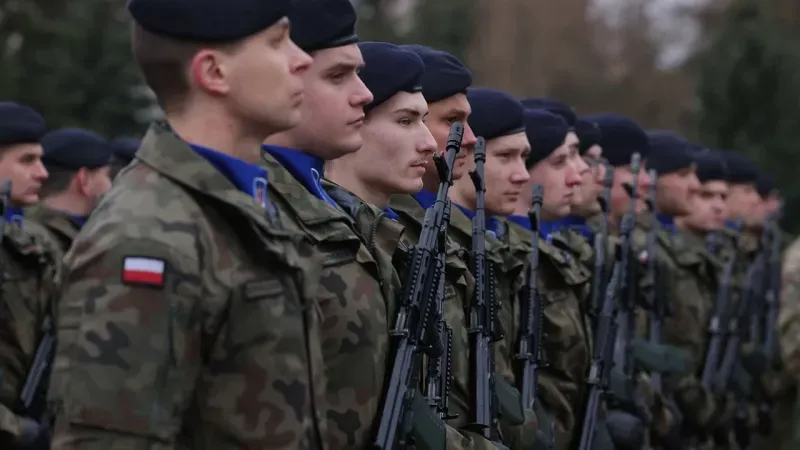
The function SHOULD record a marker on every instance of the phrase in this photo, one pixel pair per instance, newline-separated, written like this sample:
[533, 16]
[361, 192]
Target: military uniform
[61, 227]
[173, 329]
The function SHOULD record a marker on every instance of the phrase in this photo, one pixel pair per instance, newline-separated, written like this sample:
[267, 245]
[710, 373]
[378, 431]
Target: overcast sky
[678, 33]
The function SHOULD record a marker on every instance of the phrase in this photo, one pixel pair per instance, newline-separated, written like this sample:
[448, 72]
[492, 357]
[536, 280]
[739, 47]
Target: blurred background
[723, 72]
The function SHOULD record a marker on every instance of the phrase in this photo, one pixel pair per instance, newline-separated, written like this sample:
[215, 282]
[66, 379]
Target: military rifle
[718, 323]
[482, 317]
[440, 370]
[600, 242]
[530, 339]
[414, 331]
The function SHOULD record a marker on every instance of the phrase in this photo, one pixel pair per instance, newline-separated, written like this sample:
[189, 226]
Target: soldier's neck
[67, 203]
[220, 134]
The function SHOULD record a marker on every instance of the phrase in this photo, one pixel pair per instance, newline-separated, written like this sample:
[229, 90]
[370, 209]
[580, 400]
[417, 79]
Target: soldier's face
[333, 107]
[743, 202]
[442, 115]
[560, 177]
[620, 200]
[709, 207]
[675, 192]
[591, 185]
[22, 165]
[261, 76]
[397, 145]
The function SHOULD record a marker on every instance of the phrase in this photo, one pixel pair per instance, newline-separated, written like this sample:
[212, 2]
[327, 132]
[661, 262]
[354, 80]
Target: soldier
[685, 281]
[30, 276]
[124, 152]
[554, 163]
[397, 145]
[185, 320]
[79, 163]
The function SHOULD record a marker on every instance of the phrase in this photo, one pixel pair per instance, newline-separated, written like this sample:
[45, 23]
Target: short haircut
[58, 180]
[163, 61]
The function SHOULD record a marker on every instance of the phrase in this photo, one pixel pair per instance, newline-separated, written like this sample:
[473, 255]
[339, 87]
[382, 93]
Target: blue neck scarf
[667, 222]
[425, 198]
[15, 215]
[304, 167]
[493, 225]
[734, 225]
[248, 178]
[80, 221]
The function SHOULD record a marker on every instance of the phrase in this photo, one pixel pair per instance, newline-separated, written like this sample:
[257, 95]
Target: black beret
[494, 113]
[445, 75]
[710, 166]
[73, 148]
[20, 124]
[669, 152]
[620, 138]
[125, 149]
[553, 106]
[546, 132]
[321, 24]
[208, 20]
[389, 69]
[741, 169]
[588, 133]
[765, 184]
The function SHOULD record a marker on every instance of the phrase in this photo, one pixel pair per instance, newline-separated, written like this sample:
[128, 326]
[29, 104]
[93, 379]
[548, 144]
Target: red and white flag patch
[141, 270]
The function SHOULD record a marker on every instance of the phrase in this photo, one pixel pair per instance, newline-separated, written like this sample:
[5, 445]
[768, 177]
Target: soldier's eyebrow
[413, 112]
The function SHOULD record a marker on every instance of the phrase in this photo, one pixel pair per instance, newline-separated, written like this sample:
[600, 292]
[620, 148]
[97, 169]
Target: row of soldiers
[333, 244]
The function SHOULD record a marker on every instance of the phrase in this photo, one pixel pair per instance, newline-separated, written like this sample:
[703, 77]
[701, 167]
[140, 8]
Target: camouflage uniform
[353, 302]
[459, 289]
[30, 285]
[567, 339]
[60, 227]
[789, 322]
[691, 286]
[222, 350]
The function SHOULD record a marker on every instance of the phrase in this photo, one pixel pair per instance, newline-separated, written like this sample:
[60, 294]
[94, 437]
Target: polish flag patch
[141, 270]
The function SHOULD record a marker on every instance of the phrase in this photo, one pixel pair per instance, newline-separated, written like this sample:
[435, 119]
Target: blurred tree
[747, 94]
[72, 62]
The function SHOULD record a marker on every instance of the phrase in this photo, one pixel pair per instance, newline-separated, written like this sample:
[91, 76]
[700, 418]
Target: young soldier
[185, 319]
[79, 163]
[30, 275]
[685, 282]
[554, 163]
[444, 85]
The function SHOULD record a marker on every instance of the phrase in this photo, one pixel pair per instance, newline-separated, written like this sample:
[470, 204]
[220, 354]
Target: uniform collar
[248, 178]
[304, 167]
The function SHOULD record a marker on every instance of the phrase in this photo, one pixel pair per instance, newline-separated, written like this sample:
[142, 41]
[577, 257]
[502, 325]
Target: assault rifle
[530, 339]
[405, 416]
[482, 316]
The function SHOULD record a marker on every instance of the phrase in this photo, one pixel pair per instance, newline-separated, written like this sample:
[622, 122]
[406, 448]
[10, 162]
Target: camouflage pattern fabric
[459, 288]
[354, 306]
[61, 229]
[31, 275]
[691, 281]
[567, 338]
[186, 320]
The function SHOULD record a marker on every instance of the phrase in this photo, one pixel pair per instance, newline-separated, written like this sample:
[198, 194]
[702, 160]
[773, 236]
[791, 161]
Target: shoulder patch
[143, 271]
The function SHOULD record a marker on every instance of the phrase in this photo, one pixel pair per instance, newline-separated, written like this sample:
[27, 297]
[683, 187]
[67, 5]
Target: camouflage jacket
[59, 225]
[185, 320]
[387, 241]
[29, 289]
[566, 337]
[688, 277]
[353, 302]
[459, 287]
